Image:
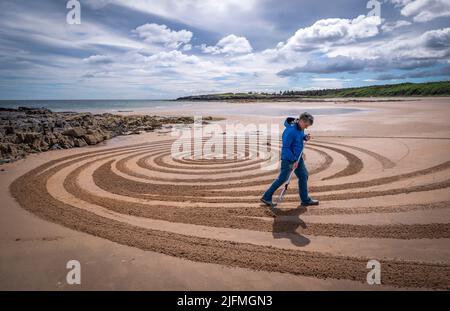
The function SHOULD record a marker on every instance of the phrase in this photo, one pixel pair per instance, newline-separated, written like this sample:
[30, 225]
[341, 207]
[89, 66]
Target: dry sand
[136, 218]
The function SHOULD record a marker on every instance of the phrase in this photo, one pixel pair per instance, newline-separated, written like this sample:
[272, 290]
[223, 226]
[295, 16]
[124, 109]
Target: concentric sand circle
[208, 210]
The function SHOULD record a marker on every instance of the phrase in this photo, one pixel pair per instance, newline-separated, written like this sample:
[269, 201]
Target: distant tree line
[441, 88]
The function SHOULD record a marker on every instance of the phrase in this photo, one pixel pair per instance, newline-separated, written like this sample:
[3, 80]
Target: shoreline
[40, 129]
[307, 99]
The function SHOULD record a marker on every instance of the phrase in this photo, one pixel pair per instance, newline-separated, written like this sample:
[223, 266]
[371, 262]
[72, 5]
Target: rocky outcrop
[28, 130]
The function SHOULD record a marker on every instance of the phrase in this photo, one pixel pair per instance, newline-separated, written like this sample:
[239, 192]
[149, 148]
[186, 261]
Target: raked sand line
[191, 188]
[232, 218]
[143, 163]
[349, 210]
[373, 182]
[84, 192]
[131, 147]
[385, 180]
[384, 161]
[207, 180]
[435, 250]
[129, 167]
[111, 182]
[213, 163]
[355, 165]
[169, 168]
[328, 160]
[396, 273]
[86, 180]
[161, 166]
[218, 218]
[326, 165]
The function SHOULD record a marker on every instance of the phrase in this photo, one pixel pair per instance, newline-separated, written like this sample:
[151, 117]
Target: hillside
[441, 88]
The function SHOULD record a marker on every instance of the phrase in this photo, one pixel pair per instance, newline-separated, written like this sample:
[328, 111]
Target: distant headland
[441, 88]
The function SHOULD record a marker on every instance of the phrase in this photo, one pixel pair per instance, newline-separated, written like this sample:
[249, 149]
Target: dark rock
[90, 139]
[30, 130]
[5, 160]
[50, 139]
[79, 142]
[30, 138]
[20, 138]
[75, 132]
[8, 150]
[60, 123]
[10, 130]
[64, 141]
[55, 147]
[44, 146]
[107, 135]
[35, 110]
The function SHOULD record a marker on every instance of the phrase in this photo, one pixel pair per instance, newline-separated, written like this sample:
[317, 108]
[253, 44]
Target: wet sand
[136, 218]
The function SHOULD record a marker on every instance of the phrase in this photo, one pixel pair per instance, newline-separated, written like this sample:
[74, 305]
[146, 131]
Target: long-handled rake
[286, 185]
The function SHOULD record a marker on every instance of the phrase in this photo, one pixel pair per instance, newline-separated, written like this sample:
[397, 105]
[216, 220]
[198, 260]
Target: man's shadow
[286, 223]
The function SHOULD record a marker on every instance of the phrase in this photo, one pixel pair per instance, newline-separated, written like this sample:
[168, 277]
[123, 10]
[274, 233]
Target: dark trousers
[302, 175]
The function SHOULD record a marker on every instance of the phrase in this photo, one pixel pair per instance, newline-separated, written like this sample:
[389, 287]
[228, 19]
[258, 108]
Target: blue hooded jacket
[293, 140]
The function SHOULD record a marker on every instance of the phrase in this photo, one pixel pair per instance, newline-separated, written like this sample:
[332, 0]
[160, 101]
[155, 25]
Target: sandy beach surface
[137, 219]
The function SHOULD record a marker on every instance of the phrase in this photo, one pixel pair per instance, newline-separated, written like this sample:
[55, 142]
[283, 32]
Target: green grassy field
[390, 90]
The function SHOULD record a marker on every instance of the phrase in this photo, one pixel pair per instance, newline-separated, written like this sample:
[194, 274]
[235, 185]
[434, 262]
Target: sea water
[184, 107]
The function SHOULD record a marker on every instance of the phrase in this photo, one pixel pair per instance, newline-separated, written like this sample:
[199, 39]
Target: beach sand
[137, 219]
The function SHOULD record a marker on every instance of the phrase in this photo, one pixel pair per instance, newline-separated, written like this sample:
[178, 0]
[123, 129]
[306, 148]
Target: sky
[151, 49]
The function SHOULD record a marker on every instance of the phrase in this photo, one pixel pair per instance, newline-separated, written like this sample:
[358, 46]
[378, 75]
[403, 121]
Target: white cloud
[327, 32]
[187, 47]
[324, 36]
[230, 44]
[41, 28]
[437, 39]
[327, 83]
[209, 15]
[329, 79]
[326, 66]
[171, 59]
[423, 10]
[389, 26]
[370, 80]
[406, 52]
[400, 3]
[98, 59]
[161, 34]
[433, 44]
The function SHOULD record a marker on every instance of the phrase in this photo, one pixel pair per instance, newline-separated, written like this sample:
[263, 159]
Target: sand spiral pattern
[208, 210]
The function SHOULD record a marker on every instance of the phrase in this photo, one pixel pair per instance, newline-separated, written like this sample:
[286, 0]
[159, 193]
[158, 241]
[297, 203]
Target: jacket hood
[289, 122]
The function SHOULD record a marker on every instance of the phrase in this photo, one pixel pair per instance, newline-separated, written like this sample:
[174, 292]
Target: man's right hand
[295, 165]
[308, 137]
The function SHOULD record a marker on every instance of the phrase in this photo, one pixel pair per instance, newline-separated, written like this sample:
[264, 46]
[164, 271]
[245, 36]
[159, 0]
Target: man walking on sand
[293, 142]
